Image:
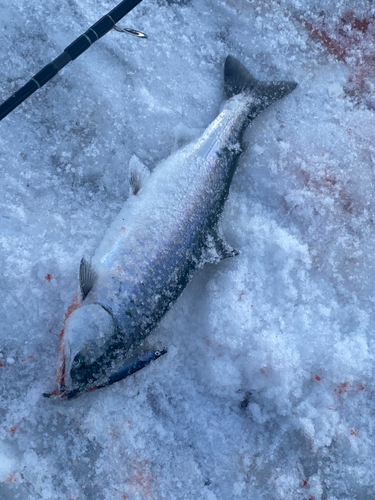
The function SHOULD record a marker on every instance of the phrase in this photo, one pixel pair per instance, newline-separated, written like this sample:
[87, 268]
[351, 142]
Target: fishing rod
[75, 49]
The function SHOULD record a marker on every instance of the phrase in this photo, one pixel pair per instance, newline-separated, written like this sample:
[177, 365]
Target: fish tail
[238, 80]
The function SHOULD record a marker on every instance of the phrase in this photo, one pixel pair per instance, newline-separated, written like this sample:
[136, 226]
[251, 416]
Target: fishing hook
[130, 31]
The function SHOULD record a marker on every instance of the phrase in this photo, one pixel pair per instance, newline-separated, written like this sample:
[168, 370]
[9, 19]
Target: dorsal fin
[138, 174]
[87, 277]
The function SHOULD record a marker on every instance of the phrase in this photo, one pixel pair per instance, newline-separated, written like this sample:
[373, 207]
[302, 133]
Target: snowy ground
[267, 391]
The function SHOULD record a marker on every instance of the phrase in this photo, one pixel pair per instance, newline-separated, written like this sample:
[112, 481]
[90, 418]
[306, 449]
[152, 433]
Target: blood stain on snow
[142, 479]
[349, 40]
[48, 277]
[13, 430]
[342, 388]
[353, 432]
[11, 478]
[304, 482]
[318, 378]
[76, 302]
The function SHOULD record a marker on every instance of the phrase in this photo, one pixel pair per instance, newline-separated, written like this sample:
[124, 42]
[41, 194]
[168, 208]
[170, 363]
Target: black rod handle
[75, 49]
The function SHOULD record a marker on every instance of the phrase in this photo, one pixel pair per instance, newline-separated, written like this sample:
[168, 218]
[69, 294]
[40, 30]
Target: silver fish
[167, 229]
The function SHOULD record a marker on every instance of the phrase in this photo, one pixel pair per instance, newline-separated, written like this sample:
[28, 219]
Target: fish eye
[157, 353]
[78, 362]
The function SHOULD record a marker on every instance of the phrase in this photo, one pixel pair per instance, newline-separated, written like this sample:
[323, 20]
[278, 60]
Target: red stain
[361, 387]
[142, 480]
[321, 35]
[304, 482]
[92, 388]
[23, 360]
[353, 432]
[343, 38]
[242, 292]
[13, 430]
[75, 304]
[342, 388]
[48, 277]
[31, 356]
[318, 378]
[11, 478]
[124, 497]
[1, 364]
[123, 228]
[349, 40]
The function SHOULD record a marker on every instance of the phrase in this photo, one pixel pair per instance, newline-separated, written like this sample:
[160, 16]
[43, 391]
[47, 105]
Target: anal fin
[224, 250]
[218, 249]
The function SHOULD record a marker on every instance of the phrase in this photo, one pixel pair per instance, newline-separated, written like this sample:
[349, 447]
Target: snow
[267, 388]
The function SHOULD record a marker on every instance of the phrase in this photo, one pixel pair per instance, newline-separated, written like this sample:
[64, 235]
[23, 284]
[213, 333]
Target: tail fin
[237, 80]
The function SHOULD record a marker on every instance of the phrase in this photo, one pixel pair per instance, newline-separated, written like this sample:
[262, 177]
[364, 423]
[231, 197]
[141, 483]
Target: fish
[168, 228]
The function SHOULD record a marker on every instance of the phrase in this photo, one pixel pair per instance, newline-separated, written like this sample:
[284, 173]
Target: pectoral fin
[138, 174]
[87, 277]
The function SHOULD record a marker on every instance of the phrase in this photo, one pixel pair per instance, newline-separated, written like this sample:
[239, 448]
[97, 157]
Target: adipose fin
[184, 135]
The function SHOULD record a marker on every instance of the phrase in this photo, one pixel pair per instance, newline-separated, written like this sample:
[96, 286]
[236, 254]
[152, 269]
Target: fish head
[89, 332]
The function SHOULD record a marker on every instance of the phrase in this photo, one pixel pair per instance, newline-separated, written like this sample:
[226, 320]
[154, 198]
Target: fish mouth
[63, 395]
[61, 392]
